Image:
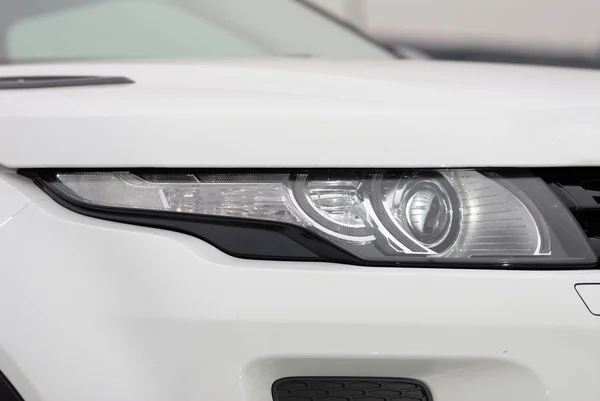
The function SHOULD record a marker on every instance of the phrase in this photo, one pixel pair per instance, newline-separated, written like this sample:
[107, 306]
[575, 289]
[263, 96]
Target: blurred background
[548, 32]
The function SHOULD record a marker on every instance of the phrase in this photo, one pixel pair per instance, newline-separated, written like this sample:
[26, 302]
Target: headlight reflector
[333, 207]
[434, 216]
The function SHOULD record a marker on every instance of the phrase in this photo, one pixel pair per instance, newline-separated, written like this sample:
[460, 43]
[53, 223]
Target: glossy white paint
[103, 311]
[100, 311]
[305, 113]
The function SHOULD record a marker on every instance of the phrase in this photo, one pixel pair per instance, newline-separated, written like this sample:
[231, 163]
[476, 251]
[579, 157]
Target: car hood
[304, 113]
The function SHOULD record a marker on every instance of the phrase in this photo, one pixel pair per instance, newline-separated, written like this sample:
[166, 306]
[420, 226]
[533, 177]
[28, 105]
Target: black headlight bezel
[260, 239]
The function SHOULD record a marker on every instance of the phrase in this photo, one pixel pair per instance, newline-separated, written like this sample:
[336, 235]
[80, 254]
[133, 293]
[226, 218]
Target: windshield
[51, 30]
[542, 32]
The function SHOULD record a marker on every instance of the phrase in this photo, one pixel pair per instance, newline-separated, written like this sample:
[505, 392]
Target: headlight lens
[425, 210]
[433, 216]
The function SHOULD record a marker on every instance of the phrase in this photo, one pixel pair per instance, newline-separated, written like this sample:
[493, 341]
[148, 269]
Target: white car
[177, 223]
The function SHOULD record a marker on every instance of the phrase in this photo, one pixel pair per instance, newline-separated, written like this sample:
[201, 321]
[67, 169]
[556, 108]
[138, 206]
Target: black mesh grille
[349, 389]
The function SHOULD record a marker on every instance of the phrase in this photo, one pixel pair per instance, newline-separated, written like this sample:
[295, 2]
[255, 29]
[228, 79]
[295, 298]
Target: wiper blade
[59, 81]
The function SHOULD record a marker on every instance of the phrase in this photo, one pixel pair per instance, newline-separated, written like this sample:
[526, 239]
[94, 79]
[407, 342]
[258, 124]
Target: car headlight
[414, 218]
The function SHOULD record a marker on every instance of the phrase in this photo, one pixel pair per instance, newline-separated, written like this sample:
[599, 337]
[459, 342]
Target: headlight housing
[449, 217]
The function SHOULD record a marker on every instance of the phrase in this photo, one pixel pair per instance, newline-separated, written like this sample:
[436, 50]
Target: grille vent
[349, 389]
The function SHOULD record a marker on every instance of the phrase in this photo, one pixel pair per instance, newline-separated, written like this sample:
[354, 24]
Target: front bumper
[94, 310]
